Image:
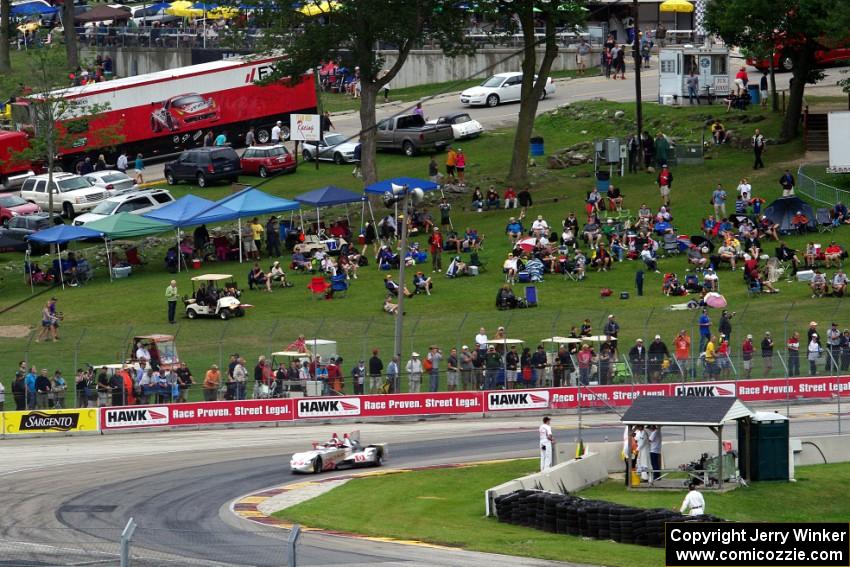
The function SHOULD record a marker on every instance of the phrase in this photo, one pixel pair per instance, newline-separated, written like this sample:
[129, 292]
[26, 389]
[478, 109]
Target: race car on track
[189, 110]
[338, 453]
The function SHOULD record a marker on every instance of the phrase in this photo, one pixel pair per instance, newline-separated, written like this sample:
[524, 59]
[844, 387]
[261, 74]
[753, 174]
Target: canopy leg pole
[347, 216]
[108, 261]
[61, 271]
[28, 262]
[318, 223]
[179, 253]
[720, 454]
[240, 239]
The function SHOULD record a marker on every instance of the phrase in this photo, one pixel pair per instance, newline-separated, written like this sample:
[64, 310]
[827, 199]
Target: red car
[186, 111]
[14, 206]
[266, 160]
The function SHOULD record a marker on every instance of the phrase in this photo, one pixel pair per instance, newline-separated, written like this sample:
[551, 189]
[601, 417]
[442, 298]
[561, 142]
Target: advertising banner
[435, 403]
[49, 421]
[503, 400]
[204, 413]
[794, 388]
[600, 396]
[305, 127]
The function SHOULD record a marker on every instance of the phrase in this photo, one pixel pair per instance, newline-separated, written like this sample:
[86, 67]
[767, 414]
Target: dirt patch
[14, 331]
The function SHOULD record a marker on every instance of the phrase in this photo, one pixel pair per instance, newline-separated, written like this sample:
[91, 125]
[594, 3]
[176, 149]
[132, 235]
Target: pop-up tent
[249, 202]
[782, 210]
[181, 213]
[411, 182]
[127, 225]
[32, 8]
[103, 13]
[327, 197]
[62, 234]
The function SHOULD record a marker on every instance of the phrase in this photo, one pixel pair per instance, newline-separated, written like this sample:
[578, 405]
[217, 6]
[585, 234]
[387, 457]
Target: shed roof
[684, 410]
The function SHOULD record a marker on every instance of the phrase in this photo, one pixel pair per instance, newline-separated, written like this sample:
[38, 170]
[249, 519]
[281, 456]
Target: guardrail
[818, 190]
[481, 403]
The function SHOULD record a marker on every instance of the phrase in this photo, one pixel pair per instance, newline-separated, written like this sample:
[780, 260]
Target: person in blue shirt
[704, 330]
[221, 139]
[29, 380]
[513, 229]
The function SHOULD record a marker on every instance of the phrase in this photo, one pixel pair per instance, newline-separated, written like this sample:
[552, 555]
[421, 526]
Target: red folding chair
[318, 286]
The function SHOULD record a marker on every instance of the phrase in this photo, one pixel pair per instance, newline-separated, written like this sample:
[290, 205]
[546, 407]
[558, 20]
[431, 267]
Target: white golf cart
[211, 298]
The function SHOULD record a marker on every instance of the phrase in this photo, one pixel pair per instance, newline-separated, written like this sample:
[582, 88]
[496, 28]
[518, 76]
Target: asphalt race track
[74, 494]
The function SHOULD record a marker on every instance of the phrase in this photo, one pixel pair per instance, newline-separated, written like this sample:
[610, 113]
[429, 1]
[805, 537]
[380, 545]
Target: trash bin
[755, 95]
[537, 148]
[603, 180]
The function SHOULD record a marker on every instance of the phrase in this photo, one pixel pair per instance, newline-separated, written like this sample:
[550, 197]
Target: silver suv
[72, 194]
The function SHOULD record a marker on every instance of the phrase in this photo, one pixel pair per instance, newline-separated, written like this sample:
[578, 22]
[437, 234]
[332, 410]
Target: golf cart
[211, 298]
[292, 388]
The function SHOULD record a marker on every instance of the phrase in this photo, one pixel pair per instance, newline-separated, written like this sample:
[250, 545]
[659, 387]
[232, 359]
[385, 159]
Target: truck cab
[13, 170]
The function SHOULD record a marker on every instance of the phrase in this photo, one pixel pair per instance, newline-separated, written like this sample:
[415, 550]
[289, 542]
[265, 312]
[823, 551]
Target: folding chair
[339, 285]
[823, 218]
[531, 295]
[318, 286]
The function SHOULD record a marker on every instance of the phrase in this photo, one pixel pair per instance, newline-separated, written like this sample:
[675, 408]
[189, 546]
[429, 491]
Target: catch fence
[818, 190]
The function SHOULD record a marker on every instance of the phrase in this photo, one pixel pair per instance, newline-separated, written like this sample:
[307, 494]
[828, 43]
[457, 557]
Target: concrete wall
[421, 68]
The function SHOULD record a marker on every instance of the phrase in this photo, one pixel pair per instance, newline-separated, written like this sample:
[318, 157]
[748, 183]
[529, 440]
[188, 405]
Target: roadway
[75, 493]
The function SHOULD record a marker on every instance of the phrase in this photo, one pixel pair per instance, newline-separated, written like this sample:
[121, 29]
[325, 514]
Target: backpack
[427, 365]
[605, 292]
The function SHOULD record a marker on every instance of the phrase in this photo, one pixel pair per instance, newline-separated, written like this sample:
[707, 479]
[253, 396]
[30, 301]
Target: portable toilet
[676, 63]
[763, 447]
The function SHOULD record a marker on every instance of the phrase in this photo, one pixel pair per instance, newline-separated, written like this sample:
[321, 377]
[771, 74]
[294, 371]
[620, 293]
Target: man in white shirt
[121, 163]
[142, 353]
[481, 339]
[276, 133]
[655, 450]
[540, 227]
[694, 503]
[546, 441]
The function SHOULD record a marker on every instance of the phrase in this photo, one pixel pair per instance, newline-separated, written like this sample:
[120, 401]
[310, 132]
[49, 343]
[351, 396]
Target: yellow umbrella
[183, 9]
[28, 27]
[222, 13]
[317, 9]
[681, 6]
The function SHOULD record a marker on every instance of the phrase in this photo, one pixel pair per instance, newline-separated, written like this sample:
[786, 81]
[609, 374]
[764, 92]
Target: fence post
[291, 542]
[126, 537]
[76, 360]
[271, 336]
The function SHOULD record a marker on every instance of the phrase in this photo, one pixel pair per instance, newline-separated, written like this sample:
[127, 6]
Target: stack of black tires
[562, 513]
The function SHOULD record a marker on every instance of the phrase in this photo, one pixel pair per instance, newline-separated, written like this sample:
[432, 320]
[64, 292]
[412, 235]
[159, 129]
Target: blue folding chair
[339, 285]
[531, 295]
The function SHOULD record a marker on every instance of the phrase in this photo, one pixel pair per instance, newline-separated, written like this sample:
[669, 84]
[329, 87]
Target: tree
[56, 122]
[5, 24]
[69, 33]
[800, 26]
[351, 32]
[553, 14]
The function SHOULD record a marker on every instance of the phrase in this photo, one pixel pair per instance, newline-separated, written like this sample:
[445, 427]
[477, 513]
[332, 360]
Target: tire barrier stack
[597, 519]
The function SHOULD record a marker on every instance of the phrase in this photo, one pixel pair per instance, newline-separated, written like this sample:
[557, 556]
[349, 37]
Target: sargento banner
[49, 421]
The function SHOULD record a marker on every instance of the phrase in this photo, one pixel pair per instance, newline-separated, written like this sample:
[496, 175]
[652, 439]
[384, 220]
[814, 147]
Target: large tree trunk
[5, 14]
[531, 91]
[70, 34]
[802, 66]
[368, 136]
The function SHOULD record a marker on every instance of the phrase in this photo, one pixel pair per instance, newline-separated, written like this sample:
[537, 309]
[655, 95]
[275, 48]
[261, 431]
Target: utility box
[711, 65]
[763, 447]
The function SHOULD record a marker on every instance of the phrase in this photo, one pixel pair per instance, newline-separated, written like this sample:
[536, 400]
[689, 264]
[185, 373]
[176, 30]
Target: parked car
[266, 160]
[13, 237]
[72, 194]
[333, 147]
[114, 182]
[189, 110]
[133, 203]
[502, 87]
[463, 125]
[14, 206]
[410, 134]
[204, 165]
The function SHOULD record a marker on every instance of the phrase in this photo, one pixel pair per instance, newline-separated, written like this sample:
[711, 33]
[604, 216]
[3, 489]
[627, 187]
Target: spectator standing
[665, 184]
[794, 354]
[273, 237]
[392, 375]
[682, 352]
[418, 111]
[546, 442]
[693, 87]
[493, 364]
[436, 243]
[276, 132]
[655, 442]
[582, 56]
[814, 352]
[787, 183]
[637, 358]
[184, 382]
[833, 342]
[725, 325]
[704, 329]
[662, 149]
[539, 364]
[758, 143]
[718, 199]
[209, 139]
[19, 391]
[763, 90]
[767, 353]
[239, 380]
[326, 123]
[30, 388]
[445, 213]
[139, 165]
[452, 370]
[58, 388]
[414, 373]
[121, 162]
[212, 380]
[451, 163]
[460, 166]
[747, 349]
[171, 297]
[250, 137]
[712, 370]
[658, 352]
[434, 170]
[435, 357]
[358, 156]
[376, 367]
[465, 367]
[358, 377]
[42, 389]
[511, 367]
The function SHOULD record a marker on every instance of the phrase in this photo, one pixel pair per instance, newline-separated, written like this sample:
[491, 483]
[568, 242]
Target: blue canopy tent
[248, 202]
[180, 213]
[62, 234]
[327, 197]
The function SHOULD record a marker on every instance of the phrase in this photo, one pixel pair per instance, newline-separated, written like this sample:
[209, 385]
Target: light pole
[638, 101]
[399, 316]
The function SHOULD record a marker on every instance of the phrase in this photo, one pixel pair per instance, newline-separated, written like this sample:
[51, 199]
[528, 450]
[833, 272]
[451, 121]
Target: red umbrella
[527, 244]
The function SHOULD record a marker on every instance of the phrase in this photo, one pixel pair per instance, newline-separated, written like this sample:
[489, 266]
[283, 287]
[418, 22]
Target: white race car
[336, 453]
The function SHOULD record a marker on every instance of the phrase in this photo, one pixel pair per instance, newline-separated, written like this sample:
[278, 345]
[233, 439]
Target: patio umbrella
[714, 299]
[562, 340]
[527, 244]
[184, 9]
[318, 8]
[680, 6]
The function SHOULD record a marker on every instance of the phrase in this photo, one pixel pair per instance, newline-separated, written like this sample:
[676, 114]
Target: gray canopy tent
[687, 411]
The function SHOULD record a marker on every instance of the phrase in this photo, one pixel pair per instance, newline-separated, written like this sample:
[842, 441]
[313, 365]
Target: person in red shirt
[723, 358]
[799, 222]
[665, 184]
[747, 354]
[436, 242]
[832, 254]
[741, 80]
[510, 198]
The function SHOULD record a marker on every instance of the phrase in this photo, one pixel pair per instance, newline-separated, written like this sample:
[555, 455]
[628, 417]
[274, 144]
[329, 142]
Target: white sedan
[502, 87]
[113, 182]
[463, 125]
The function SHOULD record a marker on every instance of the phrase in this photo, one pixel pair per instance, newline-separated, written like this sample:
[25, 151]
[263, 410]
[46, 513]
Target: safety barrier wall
[495, 402]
